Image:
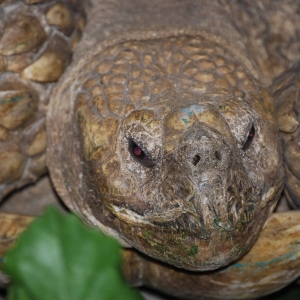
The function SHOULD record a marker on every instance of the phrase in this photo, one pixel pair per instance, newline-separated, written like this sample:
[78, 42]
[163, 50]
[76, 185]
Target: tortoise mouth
[196, 216]
[178, 219]
[179, 238]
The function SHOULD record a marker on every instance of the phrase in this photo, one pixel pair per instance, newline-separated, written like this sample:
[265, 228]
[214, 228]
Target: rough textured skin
[168, 138]
[286, 92]
[37, 39]
[270, 32]
[170, 97]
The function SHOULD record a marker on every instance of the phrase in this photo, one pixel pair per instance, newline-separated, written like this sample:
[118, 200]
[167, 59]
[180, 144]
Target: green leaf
[16, 292]
[58, 258]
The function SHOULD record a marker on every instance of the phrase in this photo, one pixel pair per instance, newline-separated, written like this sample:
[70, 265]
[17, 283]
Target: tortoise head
[176, 150]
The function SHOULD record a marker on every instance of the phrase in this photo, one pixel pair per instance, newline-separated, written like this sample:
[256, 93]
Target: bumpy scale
[37, 39]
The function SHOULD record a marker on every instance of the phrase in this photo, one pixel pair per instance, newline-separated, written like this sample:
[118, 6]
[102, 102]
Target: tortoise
[173, 130]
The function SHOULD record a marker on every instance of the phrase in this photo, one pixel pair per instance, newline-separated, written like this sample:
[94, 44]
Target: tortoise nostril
[218, 155]
[196, 159]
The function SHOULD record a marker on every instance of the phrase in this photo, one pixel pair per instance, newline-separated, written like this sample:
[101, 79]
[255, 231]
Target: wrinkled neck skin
[174, 148]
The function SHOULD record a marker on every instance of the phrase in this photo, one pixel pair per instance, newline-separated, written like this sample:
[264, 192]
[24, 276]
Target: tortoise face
[188, 177]
[185, 171]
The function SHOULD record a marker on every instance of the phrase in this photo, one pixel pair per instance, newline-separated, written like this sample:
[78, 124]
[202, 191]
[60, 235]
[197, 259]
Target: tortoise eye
[139, 154]
[249, 140]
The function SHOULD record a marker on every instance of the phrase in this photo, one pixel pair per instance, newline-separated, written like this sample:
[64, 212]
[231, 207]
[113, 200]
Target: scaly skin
[171, 97]
[212, 171]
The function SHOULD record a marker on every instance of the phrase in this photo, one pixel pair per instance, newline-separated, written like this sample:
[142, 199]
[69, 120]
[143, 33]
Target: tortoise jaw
[183, 246]
[192, 233]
